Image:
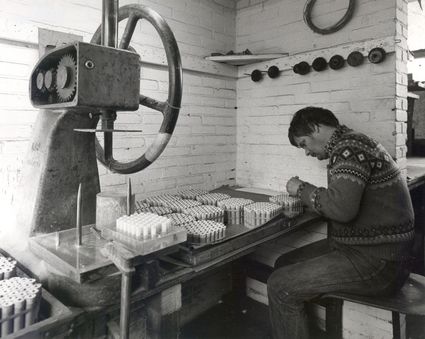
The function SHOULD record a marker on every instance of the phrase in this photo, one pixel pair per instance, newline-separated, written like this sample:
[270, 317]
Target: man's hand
[292, 185]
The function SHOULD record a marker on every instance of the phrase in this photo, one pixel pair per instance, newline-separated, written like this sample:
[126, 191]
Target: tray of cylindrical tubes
[19, 304]
[291, 206]
[233, 209]
[7, 267]
[199, 231]
[259, 213]
[194, 210]
[24, 304]
[145, 232]
[210, 217]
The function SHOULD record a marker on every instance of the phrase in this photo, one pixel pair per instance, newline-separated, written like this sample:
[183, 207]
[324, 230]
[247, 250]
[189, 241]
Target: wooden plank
[238, 60]
[286, 63]
[409, 300]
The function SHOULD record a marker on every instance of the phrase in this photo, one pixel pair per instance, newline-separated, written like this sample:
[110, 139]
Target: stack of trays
[205, 231]
[292, 206]
[143, 226]
[181, 204]
[159, 210]
[259, 213]
[191, 193]
[233, 210]
[179, 219]
[206, 212]
[212, 198]
[19, 304]
[7, 268]
[161, 200]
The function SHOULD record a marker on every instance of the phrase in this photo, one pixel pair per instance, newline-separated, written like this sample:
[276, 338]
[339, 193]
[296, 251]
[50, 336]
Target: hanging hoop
[332, 29]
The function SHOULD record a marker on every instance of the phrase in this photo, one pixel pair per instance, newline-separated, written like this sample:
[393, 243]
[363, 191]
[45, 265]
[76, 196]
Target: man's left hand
[292, 185]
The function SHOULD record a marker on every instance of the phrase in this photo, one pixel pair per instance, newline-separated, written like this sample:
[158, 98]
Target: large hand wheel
[169, 108]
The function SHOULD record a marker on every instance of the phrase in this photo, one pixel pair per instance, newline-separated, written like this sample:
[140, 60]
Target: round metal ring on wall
[256, 75]
[336, 62]
[302, 68]
[328, 30]
[273, 72]
[355, 58]
[319, 64]
[376, 55]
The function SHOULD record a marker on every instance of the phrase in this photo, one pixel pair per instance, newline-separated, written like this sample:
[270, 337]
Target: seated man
[370, 223]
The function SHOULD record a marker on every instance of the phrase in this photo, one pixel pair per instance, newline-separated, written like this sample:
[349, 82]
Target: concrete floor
[224, 321]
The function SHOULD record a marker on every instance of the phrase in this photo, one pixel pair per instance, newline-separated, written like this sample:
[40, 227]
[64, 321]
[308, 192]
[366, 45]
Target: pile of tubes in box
[187, 207]
[19, 299]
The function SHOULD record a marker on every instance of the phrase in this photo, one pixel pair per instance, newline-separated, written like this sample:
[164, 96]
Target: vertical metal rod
[78, 220]
[125, 305]
[109, 35]
[128, 196]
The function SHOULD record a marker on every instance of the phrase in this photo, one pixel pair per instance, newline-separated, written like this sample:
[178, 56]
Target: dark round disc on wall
[355, 58]
[336, 62]
[273, 72]
[319, 64]
[302, 68]
[256, 75]
[376, 55]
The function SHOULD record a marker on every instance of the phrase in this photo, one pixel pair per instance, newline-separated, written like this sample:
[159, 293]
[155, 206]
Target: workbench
[159, 296]
[157, 292]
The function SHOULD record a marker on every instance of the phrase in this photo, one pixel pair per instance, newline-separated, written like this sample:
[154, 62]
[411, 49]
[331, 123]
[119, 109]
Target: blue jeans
[319, 268]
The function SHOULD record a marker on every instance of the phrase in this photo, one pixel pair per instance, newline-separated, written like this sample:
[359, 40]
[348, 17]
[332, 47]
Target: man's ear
[316, 128]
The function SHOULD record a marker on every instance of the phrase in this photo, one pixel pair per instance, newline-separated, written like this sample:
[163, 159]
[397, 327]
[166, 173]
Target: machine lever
[94, 130]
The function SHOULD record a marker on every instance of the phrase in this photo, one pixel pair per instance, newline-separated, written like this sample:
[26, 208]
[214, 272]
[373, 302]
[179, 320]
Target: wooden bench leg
[396, 325]
[163, 312]
[334, 318]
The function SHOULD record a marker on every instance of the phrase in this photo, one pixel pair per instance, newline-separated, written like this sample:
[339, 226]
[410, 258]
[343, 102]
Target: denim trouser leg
[333, 269]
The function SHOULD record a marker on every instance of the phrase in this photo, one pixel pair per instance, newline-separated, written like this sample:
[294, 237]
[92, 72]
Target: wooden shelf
[239, 60]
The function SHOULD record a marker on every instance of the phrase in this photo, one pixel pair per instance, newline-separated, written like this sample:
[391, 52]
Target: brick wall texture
[370, 98]
[202, 150]
[230, 130]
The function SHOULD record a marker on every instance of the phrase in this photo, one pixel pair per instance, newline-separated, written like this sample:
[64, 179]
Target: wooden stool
[410, 300]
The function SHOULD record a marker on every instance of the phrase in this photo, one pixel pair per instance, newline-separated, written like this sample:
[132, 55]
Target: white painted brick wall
[369, 98]
[416, 20]
[202, 150]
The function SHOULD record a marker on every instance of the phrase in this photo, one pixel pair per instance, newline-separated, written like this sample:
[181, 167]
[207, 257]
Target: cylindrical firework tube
[6, 312]
[30, 304]
[9, 272]
[19, 321]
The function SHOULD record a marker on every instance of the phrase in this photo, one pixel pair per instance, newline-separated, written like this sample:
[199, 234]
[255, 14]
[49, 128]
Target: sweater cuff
[305, 192]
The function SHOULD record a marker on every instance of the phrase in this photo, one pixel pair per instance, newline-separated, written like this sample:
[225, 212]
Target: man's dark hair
[305, 120]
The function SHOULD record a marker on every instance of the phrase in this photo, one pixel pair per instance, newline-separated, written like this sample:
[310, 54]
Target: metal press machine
[75, 86]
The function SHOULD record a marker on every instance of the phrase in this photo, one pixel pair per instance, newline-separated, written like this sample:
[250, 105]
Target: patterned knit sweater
[367, 200]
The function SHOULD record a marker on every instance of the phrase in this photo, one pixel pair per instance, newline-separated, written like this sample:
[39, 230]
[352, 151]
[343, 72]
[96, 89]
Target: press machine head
[74, 86]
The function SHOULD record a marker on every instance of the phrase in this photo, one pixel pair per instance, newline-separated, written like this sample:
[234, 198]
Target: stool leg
[334, 318]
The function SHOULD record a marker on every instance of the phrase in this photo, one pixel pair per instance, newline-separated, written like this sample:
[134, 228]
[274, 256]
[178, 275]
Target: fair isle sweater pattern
[362, 160]
[359, 170]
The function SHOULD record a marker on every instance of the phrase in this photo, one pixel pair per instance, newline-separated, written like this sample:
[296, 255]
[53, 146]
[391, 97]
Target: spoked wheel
[169, 108]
